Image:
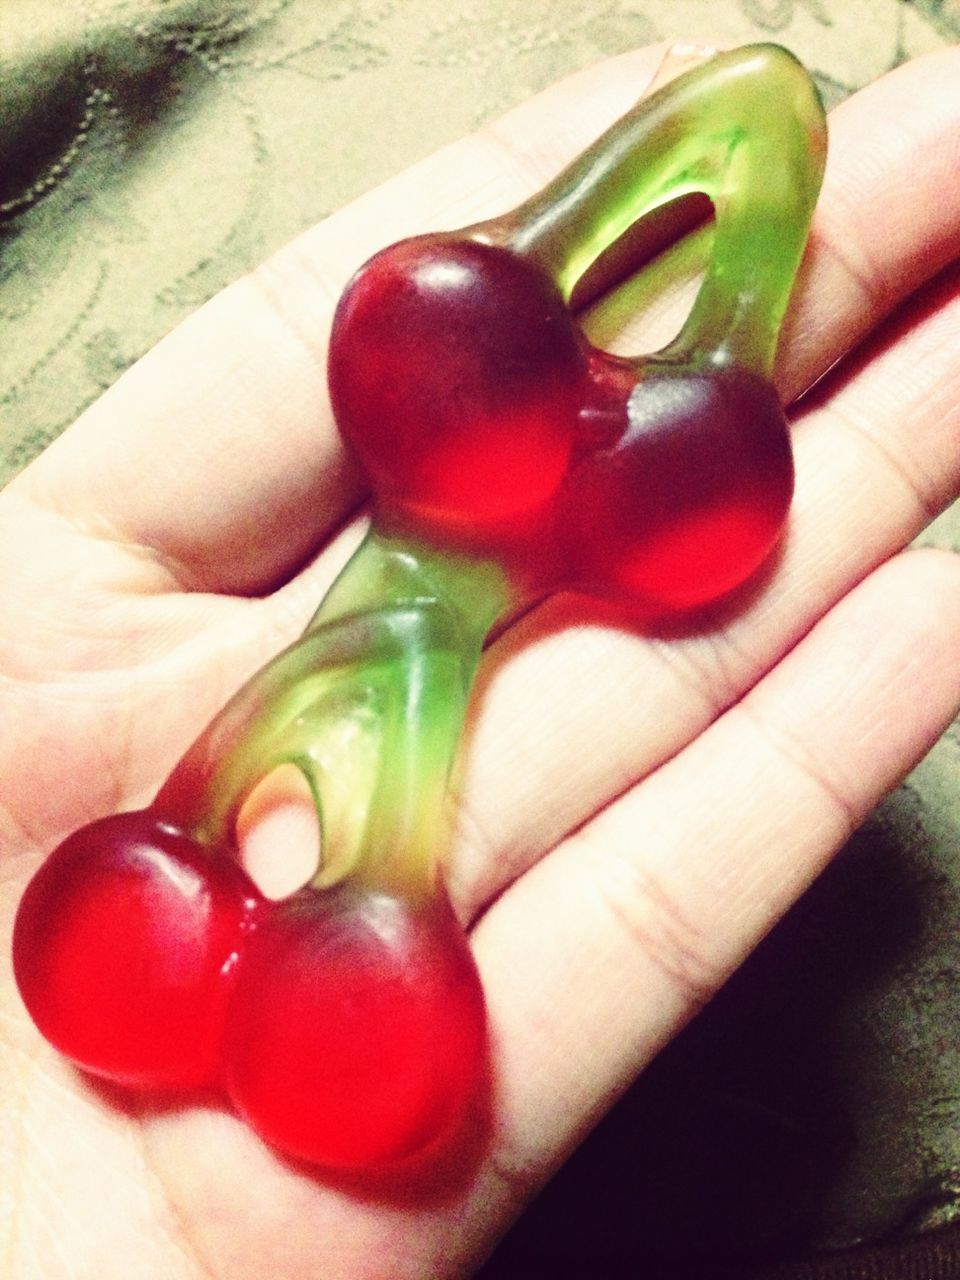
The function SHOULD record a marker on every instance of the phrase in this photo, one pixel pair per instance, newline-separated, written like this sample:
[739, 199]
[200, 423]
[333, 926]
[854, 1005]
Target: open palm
[635, 812]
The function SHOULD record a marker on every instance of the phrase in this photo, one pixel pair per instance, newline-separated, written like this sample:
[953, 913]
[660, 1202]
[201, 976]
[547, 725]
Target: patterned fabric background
[153, 150]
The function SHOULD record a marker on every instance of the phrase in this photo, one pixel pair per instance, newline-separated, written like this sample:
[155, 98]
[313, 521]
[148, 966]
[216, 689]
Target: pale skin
[635, 812]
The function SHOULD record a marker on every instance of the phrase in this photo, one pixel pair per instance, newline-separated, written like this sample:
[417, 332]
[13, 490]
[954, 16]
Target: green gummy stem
[746, 129]
[369, 705]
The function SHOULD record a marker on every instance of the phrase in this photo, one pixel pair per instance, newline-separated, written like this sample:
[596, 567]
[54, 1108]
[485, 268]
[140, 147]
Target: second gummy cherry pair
[346, 1026]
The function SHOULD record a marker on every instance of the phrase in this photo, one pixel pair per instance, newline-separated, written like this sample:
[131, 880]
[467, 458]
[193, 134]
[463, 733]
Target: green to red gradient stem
[368, 705]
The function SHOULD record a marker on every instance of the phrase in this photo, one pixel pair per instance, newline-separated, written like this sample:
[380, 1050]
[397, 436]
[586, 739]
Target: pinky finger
[600, 953]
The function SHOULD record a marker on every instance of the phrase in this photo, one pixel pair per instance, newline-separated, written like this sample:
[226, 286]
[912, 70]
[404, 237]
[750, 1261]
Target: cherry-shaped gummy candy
[689, 501]
[356, 1032]
[456, 375]
[124, 948]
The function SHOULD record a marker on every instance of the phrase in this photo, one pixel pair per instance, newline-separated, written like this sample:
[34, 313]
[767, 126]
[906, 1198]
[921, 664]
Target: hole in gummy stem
[638, 294]
[278, 833]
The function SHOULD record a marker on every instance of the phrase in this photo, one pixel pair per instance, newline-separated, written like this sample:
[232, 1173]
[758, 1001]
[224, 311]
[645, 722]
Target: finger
[217, 449]
[228, 418]
[867, 251]
[875, 462]
[618, 936]
[871, 473]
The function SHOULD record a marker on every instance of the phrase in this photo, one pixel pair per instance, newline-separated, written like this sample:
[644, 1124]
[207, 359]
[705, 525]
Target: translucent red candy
[125, 949]
[687, 503]
[507, 459]
[356, 1035]
[457, 375]
[347, 1026]
[478, 409]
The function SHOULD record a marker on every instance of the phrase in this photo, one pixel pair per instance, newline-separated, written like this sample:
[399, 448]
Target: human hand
[608, 891]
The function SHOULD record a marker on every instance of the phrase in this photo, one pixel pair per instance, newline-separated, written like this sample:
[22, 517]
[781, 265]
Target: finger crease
[789, 749]
[652, 920]
[863, 273]
[179, 576]
[270, 284]
[927, 506]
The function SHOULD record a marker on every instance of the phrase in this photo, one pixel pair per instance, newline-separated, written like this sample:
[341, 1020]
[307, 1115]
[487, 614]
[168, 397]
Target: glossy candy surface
[355, 1036]
[457, 375]
[691, 498]
[508, 458]
[125, 951]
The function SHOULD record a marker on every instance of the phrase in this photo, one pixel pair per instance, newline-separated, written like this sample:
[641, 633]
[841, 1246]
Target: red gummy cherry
[456, 374]
[356, 1032]
[689, 502]
[123, 949]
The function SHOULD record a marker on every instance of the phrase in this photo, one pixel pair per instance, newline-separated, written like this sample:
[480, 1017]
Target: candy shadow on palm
[436, 1175]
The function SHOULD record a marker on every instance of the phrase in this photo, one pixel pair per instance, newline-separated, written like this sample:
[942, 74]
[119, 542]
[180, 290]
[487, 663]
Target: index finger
[226, 423]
